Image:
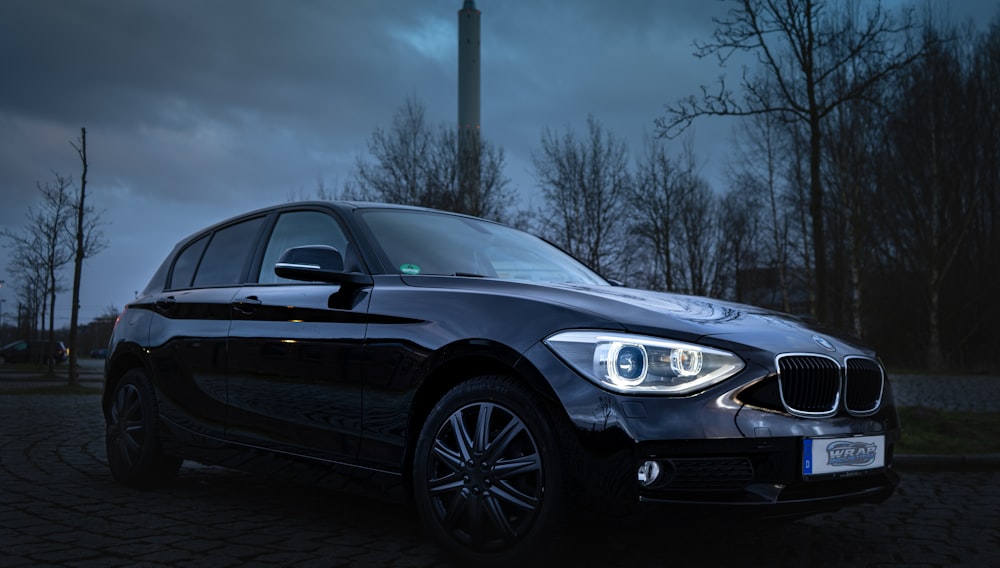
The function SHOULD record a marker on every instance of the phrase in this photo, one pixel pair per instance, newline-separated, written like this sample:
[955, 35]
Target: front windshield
[425, 242]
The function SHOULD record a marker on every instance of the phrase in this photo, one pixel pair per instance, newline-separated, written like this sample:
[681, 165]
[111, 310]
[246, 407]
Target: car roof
[343, 206]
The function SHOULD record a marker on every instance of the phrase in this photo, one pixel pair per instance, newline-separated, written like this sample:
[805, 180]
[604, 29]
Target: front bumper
[713, 451]
[753, 473]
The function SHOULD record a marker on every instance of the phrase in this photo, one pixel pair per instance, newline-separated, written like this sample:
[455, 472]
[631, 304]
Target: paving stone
[64, 555]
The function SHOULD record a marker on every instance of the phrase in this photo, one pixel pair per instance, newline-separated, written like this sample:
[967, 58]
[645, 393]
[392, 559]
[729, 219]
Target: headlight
[628, 363]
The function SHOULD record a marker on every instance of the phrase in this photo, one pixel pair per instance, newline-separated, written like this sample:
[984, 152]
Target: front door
[294, 372]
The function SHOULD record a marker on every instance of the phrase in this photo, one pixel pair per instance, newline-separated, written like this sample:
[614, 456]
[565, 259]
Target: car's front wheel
[131, 437]
[487, 472]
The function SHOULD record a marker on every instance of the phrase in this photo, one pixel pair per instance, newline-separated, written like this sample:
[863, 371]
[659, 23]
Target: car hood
[720, 322]
[688, 318]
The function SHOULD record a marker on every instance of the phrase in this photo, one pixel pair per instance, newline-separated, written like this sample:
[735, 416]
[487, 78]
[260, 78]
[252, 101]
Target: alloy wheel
[126, 427]
[485, 477]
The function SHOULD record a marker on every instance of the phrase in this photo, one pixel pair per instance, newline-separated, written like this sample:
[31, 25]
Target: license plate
[823, 456]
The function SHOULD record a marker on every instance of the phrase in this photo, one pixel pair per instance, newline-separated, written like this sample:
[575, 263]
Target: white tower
[468, 106]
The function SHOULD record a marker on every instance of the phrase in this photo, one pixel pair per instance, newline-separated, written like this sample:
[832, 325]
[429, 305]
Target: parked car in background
[486, 376]
[24, 351]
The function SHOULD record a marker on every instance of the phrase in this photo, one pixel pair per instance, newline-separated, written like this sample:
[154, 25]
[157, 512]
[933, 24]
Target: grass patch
[929, 431]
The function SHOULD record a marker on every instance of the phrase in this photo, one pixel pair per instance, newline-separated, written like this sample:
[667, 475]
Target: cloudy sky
[199, 110]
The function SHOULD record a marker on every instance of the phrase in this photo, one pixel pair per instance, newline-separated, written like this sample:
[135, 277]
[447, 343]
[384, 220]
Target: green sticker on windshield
[409, 269]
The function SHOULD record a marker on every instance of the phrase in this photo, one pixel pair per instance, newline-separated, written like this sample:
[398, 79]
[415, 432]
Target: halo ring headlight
[627, 363]
[641, 364]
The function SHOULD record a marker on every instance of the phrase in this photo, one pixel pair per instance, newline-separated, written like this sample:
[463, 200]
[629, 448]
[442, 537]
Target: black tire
[487, 474]
[131, 438]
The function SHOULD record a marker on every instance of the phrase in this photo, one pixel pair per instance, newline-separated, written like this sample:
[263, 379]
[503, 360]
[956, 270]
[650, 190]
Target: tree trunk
[74, 371]
[816, 216]
[935, 357]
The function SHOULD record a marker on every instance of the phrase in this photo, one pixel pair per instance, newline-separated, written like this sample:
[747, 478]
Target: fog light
[648, 473]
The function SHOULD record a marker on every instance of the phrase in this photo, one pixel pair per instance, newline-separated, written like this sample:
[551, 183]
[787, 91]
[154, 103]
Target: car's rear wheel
[132, 440]
[487, 472]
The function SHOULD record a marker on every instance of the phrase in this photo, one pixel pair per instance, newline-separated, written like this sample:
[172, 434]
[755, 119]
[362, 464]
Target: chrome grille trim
[813, 385]
[809, 384]
[864, 383]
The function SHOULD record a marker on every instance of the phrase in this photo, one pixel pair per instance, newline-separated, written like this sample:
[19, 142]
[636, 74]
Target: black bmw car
[485, 375]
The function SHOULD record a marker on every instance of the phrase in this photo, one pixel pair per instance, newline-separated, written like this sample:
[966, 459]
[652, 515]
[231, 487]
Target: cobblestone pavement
[59, 506]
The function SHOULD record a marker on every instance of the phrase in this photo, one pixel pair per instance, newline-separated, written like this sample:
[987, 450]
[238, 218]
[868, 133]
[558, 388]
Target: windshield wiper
[469, 275]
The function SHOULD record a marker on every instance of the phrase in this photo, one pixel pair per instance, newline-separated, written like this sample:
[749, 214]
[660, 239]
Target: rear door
[190, 325]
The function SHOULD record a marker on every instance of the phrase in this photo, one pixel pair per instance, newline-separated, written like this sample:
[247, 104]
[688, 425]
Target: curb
[12, 380]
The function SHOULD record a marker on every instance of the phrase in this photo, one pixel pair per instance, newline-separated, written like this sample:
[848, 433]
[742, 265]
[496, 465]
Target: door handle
[247, 305]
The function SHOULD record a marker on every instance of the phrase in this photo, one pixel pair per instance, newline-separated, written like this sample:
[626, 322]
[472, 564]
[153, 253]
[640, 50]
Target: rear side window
[228, 254]
[217, 260]
[187, 262]
[297, 228]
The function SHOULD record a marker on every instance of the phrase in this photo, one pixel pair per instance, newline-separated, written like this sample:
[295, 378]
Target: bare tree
[981, 279]
[799, 45]
[740, 235]
[412, 164]
[31, 288]
[677, 224]
[584, 184]
[398, 173]
[933, 191]
[42, 244]
[698, 218]
[87, 241]
[851, 174]
[657, 186]
[323, 191]
[760, 170]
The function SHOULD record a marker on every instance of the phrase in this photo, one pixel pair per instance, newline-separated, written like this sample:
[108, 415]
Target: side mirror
[317, 263]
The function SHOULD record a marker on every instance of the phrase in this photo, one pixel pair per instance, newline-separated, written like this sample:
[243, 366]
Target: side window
[297, 228]
[227, 254]
[187, 262]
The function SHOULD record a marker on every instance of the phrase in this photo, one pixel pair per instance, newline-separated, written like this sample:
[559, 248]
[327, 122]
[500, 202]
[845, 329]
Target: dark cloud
[188, 92]
[200, 109]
